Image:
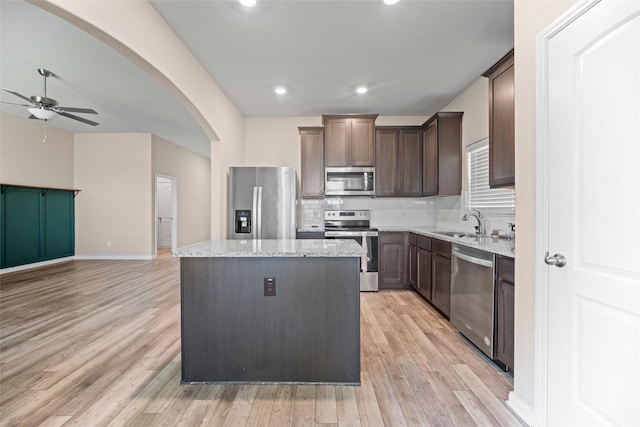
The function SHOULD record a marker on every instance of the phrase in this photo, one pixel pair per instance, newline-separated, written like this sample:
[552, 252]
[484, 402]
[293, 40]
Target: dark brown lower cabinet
[504, 313]
[423, 266]
[441, 276]
[308, 332]
[413, 261]
[309, 234]
[424, 273]
[392, 260]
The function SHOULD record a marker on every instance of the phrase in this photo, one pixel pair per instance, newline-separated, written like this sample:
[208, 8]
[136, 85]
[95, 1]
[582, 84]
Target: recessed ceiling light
[248, 3]
[361, 90]
[390, 2]
[280, 90]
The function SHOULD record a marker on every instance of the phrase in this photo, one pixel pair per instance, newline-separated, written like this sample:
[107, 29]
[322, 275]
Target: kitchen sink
[459, 234]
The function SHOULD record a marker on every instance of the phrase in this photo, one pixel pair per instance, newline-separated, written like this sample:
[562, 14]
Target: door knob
[558, 260]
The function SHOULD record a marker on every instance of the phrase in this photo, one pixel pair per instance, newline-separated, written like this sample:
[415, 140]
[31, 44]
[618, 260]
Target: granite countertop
[311, 228]
[505, 247]
[273, 248]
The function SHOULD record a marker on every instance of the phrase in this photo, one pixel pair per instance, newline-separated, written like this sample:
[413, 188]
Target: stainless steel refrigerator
[262, 203]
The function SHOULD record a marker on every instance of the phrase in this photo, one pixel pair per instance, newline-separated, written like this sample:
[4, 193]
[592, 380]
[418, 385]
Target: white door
[165, 219]
[593, 334]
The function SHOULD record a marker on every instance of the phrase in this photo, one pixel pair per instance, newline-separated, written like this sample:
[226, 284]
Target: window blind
[480, 195]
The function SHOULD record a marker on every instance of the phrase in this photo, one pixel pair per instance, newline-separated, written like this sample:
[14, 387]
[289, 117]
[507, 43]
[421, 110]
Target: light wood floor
[91, 343]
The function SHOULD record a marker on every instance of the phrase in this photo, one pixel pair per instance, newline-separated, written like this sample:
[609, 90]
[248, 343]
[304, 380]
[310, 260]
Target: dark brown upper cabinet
[442, 154]
[502, 171]
[398, 161]
[312, 165]
[349, 140]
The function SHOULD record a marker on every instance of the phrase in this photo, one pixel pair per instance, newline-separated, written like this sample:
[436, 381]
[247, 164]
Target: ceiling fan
[44, 108]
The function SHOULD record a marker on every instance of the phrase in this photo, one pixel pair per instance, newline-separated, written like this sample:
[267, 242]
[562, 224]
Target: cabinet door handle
[557, 259]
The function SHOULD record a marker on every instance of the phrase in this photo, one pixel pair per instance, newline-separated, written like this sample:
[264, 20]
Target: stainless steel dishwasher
[472, 294]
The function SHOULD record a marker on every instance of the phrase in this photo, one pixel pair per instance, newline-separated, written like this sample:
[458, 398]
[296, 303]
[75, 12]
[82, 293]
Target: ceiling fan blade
[77, 110]
[80, 119]
[18, 95]
[13, 103]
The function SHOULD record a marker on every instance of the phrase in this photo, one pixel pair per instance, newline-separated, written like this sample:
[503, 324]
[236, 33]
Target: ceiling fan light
[42, 114]
[248, 3]
[390, 2]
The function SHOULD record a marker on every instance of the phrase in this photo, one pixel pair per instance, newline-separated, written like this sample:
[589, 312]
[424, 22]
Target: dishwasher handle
[472, 259]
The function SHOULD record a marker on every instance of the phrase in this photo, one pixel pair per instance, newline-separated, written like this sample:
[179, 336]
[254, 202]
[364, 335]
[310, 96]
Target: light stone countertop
[503, 247]
[311, 228]
[273, 248]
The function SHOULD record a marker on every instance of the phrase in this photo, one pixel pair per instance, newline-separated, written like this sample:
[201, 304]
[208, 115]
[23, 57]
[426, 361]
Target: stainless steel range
[356, 225]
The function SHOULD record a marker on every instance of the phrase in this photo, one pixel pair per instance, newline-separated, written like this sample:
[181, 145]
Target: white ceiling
[415, 57]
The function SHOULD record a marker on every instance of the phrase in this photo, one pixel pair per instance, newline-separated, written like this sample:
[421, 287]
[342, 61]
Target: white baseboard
[35, 265]
[78, 257]
[521, 409]
[114, 257]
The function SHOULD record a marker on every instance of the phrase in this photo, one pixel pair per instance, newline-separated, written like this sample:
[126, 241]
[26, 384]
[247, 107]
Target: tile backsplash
[384, 211]
[438, 212]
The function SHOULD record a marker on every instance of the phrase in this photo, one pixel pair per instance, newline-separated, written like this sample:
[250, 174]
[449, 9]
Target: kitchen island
[256, 311]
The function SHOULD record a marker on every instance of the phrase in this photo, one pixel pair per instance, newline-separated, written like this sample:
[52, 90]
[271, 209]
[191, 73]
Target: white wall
[114, 173]
[25, 159]
[193, 173]
[531, 17]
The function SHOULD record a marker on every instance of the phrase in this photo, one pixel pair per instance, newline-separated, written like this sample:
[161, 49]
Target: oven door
[369, 263]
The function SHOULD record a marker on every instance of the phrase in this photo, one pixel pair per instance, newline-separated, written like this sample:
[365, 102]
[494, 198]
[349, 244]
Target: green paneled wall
[36, 224]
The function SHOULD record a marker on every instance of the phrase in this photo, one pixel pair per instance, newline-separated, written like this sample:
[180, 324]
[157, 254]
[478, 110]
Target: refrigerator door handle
[254, 214]
[259, 214]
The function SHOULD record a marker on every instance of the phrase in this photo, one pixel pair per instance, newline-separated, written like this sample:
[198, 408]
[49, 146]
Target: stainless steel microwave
[349, 182]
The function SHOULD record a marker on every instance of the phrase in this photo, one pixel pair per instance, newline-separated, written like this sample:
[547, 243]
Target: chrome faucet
[478, 216]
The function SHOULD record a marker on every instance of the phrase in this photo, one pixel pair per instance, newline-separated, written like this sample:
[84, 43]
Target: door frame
[174, 212]
[541, 351]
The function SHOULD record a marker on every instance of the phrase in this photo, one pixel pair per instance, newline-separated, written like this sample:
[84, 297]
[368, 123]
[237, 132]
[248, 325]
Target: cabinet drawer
[506, 269]
[412, 239]
[424, 242]
[392, 237]
[310, 235]
[441, 248]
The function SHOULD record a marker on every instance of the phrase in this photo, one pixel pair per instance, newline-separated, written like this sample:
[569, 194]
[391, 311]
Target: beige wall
[474, 103]
[275, 141]
[193, 173]
[401, 120]
[26, 160]
[114, 173]
[148, 41]
[531, 17]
